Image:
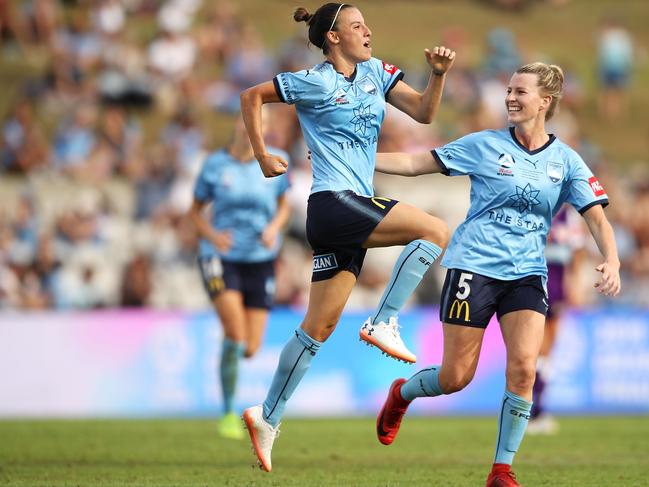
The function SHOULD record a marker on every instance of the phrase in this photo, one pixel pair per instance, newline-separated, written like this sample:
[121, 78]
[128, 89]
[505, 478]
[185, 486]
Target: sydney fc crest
[366, 85]
[555, 171]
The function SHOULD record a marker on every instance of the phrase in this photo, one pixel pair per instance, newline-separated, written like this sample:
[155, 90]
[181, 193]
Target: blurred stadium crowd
[92, 206]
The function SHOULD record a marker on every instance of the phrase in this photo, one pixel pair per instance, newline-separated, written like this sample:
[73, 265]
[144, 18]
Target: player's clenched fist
[440, 59]
[272, 165]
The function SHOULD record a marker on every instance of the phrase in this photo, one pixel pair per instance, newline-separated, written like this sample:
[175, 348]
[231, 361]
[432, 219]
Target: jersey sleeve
[388, 74]
[459, 157]
[303, 87]
[582, 189]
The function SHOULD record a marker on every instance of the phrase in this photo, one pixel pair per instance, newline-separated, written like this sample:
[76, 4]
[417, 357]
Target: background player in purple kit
[564, 253]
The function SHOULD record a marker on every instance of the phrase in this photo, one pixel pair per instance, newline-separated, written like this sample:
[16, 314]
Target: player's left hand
[440, 59]
[609, 282]
[269, 236]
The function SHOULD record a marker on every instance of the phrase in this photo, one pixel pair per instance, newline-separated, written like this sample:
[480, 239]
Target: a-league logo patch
[506, 160]
[324, 262]
[341, 97]
[506, 163]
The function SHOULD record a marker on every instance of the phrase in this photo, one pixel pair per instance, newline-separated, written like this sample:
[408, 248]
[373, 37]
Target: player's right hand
[272, 165]
[222, 241]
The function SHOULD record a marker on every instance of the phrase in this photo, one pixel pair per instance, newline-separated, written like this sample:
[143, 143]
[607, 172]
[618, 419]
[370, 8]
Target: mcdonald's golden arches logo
[457, 307]
[376, 200]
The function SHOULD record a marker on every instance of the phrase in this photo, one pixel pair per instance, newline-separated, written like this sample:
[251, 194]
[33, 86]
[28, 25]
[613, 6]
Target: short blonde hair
[550, 80]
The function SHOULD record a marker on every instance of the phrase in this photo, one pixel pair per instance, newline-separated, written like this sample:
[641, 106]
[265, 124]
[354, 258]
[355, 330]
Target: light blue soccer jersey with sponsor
[514, 195]
[243, 202]
[341, 120]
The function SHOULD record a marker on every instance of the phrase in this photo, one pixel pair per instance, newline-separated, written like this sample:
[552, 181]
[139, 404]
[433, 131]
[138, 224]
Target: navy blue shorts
[338, 223]
[613, 78]
[471, 299]
[255, 281]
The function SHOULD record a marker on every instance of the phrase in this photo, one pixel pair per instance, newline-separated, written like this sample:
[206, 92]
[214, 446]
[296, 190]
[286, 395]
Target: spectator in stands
[220, 35]
[137, 283]
[75, 141]
[22, 147]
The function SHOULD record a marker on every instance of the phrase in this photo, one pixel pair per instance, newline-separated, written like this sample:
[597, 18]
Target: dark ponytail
[302, 15]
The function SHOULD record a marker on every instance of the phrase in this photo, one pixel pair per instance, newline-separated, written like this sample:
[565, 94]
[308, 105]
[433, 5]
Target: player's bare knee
[521, 377]
[437, 231]
[444, 234]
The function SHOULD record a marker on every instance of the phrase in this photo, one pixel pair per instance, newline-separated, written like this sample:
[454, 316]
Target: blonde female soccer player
[520, 176]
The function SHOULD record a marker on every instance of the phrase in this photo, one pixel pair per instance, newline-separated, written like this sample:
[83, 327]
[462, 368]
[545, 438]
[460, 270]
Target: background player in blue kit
[237, 253]
[520, 177]
[340, 105]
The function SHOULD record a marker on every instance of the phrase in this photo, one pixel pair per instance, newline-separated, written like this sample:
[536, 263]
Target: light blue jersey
[243, 202]
[341, 120]
[514, 195]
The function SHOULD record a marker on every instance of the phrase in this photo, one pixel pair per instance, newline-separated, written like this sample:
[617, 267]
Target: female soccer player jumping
[340, 105]
[520, 176]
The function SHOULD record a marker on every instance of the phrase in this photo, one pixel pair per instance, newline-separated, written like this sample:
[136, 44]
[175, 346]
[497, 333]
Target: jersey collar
[535, 151]
[349, 79]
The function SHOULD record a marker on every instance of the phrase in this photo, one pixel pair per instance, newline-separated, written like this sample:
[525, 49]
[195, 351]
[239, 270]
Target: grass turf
[340, 452]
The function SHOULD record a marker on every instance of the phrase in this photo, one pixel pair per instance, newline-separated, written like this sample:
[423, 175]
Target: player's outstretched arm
[251, 101]
[423, 107]
[404, 164]
[599, 226]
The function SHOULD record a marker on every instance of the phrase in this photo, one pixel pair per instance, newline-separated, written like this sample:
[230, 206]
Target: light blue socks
[512, 422]
[294, 361]
[412, 264]
[229, 370]
[424, 383]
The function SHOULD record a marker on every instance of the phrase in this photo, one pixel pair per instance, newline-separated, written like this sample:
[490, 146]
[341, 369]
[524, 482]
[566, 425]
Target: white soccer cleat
[386, 338]
[262, 435]
[542, 425]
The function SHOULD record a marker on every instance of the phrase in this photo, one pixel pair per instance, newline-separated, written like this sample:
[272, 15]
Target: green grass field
[429, 451]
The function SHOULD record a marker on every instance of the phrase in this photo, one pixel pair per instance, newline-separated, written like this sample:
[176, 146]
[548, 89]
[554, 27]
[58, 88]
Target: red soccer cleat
[389, 420]
[502, 476]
